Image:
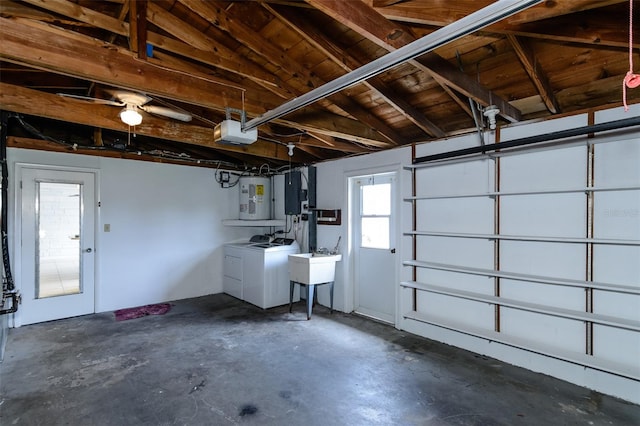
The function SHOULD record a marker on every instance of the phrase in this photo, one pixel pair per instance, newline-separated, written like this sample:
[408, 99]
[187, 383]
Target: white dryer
[259, 273]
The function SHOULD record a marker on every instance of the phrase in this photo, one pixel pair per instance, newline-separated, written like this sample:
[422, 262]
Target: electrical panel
[293, 192]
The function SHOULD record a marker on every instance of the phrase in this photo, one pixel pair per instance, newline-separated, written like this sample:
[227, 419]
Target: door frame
[17, 228]
[352, 228]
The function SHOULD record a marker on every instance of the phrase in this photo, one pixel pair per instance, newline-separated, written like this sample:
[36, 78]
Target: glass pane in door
[375, 211]
[59, 208]
[376, 199]
[375, 232]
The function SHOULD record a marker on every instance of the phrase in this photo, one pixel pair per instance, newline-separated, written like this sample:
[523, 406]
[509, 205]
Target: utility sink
[312, 268]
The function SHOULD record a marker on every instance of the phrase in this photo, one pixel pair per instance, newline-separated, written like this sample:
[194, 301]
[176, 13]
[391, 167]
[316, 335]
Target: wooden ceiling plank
[327, 142]
[348, 63]
[389, 35]
[385, 3]
[223, 58]
[10, 8]
[217, 16]
[309, 120]
[82, 14]
[551, 9]
[86, 58]
[178, 28]
[539, 78]
[407, 110]
[592, 94]
[213, 158]
[565, 28]
[69, 53]
[140, 19]
[32, 102]
[133, 25]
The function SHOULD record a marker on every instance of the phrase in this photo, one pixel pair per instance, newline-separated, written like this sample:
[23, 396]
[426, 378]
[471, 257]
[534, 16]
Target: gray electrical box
[292, 192]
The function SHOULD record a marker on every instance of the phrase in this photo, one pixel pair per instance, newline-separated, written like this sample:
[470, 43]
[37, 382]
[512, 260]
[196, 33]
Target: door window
[58, 213]
[375, 215]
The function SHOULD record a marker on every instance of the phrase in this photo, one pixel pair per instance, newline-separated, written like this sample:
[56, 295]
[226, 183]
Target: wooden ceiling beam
[222, 58]
[82, 14]
[19, 10]
[209, 159]
[590, 29]
[384, 3]
[218, 17]
[334, 125]
[539, 78]
[179, 28]
[68, 53]
[552, 9]
[348, 63]
[33, 102]
[309, 120]
[138, 27]
[84, 57]
[389, 35]
[327, 142]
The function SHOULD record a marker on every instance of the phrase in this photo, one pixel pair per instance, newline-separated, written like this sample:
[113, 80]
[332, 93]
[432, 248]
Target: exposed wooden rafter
[536, 73]
[63, 53]
[201, 57]
[33, 102]
[348, 63]
[223, 57]
[591, 30]
[218, 17]
[138, 27]
[374, 26]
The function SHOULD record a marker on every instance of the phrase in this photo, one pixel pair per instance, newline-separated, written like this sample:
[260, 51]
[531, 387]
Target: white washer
[259, 273]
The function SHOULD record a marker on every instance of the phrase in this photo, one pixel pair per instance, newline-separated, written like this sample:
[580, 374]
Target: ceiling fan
[132, 102]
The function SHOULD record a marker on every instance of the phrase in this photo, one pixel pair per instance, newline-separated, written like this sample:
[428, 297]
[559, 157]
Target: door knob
[88, 250]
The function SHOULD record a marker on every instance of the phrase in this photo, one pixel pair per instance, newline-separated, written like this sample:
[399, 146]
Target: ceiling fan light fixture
[130, 116]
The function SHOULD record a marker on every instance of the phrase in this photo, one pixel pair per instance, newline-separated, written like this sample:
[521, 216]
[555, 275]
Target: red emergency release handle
[632, 80]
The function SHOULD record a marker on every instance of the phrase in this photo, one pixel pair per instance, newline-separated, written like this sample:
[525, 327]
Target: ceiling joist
[375, 27]
[201, 57]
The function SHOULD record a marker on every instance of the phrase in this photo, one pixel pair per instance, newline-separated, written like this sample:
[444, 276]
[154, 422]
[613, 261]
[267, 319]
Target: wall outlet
[107, 227]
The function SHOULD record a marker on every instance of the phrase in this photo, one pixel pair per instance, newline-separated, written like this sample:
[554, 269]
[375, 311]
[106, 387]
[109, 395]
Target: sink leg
[331, 295]
[310, 289]
[291, 286]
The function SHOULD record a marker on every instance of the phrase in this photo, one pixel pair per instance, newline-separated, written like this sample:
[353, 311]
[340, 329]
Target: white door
[375, 270]
[57, 244]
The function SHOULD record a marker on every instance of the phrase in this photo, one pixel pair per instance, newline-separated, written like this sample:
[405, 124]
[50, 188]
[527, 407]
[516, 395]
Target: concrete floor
[218, 361]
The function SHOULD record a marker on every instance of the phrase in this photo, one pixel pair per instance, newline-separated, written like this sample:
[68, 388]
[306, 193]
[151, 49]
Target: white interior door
[375, 271]
[57, 211]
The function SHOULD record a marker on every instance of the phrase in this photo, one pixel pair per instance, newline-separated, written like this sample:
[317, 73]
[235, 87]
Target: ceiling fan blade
[166, 112]
[132, 98]
[90, 99]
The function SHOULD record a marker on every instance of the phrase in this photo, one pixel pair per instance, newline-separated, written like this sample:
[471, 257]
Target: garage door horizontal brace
[530, 140]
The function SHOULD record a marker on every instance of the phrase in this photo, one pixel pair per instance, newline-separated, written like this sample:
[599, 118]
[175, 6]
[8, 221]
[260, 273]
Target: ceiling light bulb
[130, 115]
[290, 146]
[490, 112]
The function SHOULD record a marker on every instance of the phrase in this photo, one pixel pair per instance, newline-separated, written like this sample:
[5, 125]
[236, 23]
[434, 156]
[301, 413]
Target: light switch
[107, 227]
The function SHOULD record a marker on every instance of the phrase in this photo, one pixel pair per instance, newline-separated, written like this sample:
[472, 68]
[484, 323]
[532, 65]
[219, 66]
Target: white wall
[616, 216]
[166, 232]
[332, 193]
